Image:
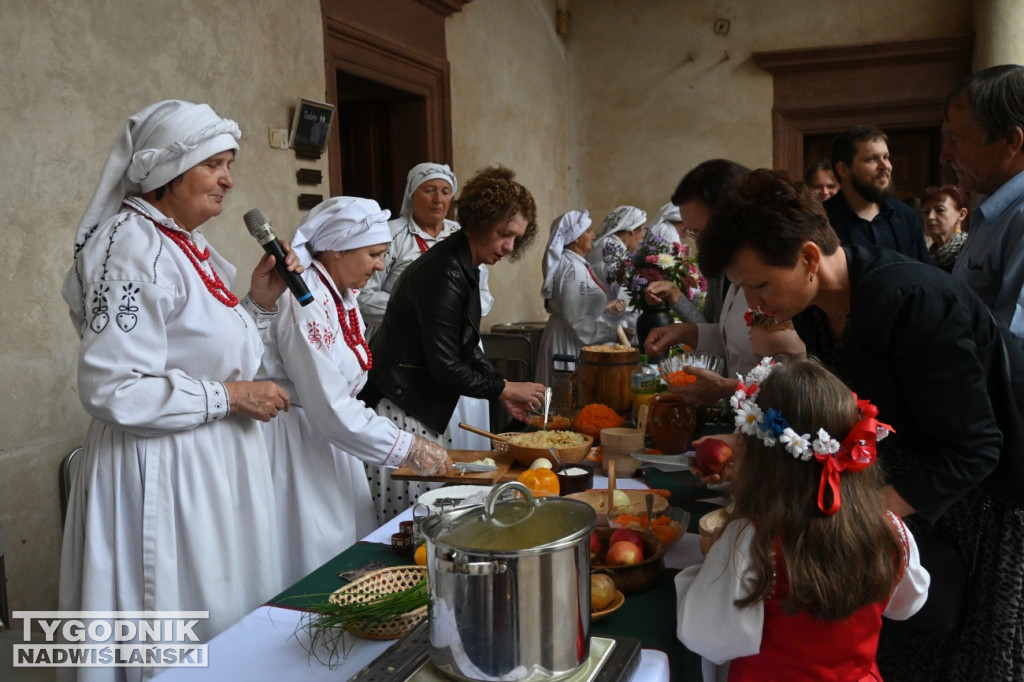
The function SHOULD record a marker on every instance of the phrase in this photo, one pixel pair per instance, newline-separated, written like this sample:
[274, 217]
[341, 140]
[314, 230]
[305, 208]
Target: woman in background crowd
[821, 180]
[943, 211]
[427, 352]
[668, 224]
[318, 353]
[423, 223]
[580, 313]
[172, 507]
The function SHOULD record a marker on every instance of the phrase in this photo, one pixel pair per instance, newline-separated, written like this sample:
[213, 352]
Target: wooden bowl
[637, 577]
[569, 455]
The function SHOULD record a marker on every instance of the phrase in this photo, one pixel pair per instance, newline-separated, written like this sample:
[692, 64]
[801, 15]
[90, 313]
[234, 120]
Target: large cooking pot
[510, 587]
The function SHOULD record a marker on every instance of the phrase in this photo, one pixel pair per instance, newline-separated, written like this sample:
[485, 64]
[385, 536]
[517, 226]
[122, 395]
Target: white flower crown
[772, 428]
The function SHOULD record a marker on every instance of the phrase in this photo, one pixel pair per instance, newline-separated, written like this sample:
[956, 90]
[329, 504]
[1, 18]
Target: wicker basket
[373, 585]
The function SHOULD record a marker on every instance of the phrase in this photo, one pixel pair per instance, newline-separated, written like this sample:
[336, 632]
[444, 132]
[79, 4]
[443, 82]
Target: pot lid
[514, 525]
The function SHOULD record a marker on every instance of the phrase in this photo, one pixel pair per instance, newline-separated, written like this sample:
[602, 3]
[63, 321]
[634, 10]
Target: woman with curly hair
[427, 351]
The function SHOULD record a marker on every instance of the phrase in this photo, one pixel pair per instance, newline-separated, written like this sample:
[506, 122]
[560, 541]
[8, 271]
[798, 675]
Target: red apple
[624, 553]
[712, 454]
[595, 545]
[627, 534]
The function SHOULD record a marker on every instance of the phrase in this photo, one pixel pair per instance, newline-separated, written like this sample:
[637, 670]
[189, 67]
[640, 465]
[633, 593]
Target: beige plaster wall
[71, 73]
[509, 78]
[656, 91]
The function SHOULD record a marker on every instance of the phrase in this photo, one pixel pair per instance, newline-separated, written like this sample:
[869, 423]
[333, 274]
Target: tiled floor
[8, 673]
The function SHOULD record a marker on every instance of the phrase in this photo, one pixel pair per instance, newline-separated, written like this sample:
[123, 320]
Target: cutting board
[504, 462]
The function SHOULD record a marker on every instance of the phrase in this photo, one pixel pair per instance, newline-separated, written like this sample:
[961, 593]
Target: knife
[474, 467]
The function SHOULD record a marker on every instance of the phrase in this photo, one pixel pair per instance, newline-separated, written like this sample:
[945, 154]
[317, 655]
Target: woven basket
[371, 586]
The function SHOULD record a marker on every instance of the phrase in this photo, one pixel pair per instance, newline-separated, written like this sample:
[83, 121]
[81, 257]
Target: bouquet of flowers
[657, 260]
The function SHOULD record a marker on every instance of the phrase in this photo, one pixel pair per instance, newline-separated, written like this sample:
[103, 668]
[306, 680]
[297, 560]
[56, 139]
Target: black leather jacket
[427, 351]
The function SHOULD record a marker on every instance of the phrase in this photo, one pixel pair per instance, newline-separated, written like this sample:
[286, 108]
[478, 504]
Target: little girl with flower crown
[809, 561]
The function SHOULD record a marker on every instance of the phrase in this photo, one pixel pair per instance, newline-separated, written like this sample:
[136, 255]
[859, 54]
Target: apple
[627, 534]
[602, 591]
[712, 454]
[624, 553]
[595, 545]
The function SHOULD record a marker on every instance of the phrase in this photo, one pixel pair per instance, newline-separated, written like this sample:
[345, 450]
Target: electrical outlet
[278, 138]
[721, 26]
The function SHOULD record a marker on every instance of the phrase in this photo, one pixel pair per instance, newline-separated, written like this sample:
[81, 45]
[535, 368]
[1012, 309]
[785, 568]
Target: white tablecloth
[263, 645]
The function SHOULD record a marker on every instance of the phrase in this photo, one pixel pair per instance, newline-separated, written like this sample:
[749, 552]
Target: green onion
[325, 622]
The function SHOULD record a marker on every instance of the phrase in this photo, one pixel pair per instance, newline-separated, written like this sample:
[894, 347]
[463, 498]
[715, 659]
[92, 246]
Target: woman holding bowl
[319, 354]
[423, 224]
[924, 348]
[427, 352]
[172, 508]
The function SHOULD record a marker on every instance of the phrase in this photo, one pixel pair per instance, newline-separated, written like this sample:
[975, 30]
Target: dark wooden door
[383, 133]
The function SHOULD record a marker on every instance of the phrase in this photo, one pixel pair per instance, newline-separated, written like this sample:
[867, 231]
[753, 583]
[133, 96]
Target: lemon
[421, 555]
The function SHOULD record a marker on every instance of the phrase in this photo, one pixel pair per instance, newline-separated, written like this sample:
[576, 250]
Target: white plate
[681, 462]
[465, 494]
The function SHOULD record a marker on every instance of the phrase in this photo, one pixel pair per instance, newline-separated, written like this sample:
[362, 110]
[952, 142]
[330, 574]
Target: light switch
[278, 138]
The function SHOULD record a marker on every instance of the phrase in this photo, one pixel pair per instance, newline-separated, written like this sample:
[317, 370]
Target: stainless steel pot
[510, 587]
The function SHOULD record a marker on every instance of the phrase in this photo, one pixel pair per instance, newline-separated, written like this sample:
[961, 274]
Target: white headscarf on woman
[564, 231]
[622, 219]
[419, 174]
[156, 145]
[341, 224]
[669, 213]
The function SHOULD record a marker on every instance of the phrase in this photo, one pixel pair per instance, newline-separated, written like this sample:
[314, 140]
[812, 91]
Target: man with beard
[862, 212]
[983, 141]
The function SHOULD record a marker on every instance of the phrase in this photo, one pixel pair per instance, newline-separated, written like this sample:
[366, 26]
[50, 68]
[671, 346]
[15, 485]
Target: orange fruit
[421, 555]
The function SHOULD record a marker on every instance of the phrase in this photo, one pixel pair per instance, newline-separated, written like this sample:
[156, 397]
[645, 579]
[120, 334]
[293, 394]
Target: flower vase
[651, 316]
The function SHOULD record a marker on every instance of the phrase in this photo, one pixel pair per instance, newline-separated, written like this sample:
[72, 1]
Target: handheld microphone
[259, 226]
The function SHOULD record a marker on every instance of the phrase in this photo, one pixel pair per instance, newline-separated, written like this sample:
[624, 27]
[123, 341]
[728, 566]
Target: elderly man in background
[983, 141]
[863, 213]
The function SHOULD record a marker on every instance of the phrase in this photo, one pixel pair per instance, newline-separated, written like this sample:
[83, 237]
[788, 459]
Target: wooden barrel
[602, 376]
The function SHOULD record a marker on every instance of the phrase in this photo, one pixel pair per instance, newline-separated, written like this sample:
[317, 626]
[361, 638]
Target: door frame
[887, 85]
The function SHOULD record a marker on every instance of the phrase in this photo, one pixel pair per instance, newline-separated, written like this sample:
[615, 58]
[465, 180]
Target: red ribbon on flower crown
[856, 453]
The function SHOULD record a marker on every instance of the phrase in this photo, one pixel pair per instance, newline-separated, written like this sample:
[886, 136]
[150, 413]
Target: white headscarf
[419, 174]
[622, 219]
[155, 146]
[564, 230]
[669, 213]
[341, 224]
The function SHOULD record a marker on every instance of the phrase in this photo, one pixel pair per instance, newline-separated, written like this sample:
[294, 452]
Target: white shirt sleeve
[708, 621]
[912, 590]
[124, 379]
[327, 388]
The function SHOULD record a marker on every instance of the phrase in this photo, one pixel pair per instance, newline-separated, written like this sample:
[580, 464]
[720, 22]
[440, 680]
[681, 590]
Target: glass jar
[671, 423]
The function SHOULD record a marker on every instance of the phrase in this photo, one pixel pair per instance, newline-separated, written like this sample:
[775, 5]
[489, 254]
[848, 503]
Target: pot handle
[496, 493]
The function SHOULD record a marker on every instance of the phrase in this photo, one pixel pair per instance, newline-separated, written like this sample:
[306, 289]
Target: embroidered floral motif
[314, 335]
[100, 317]
[126, 317]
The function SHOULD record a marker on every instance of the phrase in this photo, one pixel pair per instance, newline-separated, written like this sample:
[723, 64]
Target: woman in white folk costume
[172, 508]
[620, 233]
[319, 355]
[422, 224]
[668, 224]
[581, 314]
